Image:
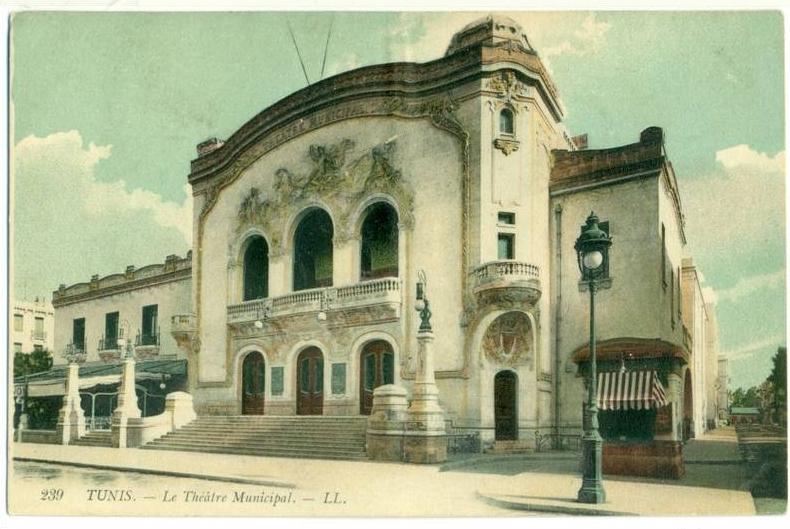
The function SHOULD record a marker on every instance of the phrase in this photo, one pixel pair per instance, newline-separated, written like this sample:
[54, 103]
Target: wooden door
[376, 368]
[310, 382]
[505, 409]
[253, 373]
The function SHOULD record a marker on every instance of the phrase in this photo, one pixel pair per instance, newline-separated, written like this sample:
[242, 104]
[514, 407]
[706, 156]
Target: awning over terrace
[52, 383]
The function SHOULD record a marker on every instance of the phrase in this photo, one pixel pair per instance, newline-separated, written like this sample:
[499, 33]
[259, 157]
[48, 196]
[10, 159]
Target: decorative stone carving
[507, 340]
[508, 298]
[506, 85]
[336, 180]
[506, 146]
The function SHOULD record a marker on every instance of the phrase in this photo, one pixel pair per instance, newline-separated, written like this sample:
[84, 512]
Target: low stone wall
[134, 432]
[49, 437]
[656, 459]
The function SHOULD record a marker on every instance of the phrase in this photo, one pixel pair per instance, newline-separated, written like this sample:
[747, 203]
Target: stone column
[425, 438]
[127, 404]
[71, 419]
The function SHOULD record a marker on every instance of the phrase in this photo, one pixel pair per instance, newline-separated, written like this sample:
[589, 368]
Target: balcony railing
[505, 270]
[183, 323]
[108, 343]
[144, 340]
[38, 335]
[387, 290]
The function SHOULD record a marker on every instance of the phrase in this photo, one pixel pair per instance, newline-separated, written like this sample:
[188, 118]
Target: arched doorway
[312, 265]
[688, 407]
[256, 268]
[253, 387]
[379, 242]
[310, 382]
[505, 408]
[376, 368]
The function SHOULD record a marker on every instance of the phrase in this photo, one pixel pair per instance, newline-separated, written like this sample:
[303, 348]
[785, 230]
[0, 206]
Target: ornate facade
[313, 221]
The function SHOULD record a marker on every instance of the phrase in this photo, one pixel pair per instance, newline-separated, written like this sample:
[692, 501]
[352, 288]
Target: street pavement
[487, 485]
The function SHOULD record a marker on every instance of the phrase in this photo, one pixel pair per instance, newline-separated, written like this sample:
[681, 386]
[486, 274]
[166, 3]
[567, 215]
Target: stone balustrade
[386, 290]
[183, 328]
[514, 270]
[495, 279]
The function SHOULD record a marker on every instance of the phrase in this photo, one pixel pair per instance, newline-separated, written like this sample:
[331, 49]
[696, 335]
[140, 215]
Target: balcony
[38, 336]
[183, 328]
[366, 302]
[108, 349]
[506, 283]
[146, 345]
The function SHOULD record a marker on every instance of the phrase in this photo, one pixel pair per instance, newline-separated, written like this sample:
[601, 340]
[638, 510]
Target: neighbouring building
[313, 221]
[713, 379]
[100, 319]
[699, 320]
[32, 326]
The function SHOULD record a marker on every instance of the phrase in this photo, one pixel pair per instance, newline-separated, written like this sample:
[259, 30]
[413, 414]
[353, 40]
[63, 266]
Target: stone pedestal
[386, 423]
[425, 438]
[71, 419]
[127, 405]
[178, 405]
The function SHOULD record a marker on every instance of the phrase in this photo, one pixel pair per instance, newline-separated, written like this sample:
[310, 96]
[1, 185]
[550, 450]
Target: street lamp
[422, 305]
[592, 249]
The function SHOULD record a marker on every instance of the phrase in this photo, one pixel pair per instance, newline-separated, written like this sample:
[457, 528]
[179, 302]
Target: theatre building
[313, 221]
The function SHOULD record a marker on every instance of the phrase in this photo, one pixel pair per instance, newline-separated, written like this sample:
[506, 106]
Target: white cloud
[420, 37]
[68, 224]
[752, 284]
[348, 61]
[743, 158]
[589, 39]
[738, 210]
[710, 295]
[758, 346]
[66, 150]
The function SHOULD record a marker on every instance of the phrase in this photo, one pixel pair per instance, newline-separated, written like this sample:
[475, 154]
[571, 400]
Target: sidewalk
[716, 446]
[539, 483]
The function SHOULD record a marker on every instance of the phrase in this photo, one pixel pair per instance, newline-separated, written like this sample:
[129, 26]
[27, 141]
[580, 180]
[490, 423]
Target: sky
[107, 109]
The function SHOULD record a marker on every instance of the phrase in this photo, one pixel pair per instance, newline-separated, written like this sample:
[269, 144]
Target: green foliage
[29, 363]
[749, 398]
[778, 377]
[41, 412]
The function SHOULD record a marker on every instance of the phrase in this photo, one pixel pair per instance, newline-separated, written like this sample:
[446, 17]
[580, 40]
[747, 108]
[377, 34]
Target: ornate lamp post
[426, 438]
[592, 249]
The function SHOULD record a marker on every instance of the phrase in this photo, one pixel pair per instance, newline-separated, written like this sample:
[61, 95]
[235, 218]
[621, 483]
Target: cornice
[177, 275]
[296, 114]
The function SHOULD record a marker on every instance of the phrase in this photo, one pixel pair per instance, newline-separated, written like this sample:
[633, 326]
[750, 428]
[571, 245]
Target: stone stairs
[318, 437]
[95, 438]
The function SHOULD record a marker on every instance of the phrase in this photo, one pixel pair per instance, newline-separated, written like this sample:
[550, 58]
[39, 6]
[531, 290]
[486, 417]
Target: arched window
[506, 121]
[379, 242]
[256, 269]
[312, 265]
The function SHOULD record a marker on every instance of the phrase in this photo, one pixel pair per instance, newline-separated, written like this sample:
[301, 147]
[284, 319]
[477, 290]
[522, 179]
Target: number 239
[51, 494]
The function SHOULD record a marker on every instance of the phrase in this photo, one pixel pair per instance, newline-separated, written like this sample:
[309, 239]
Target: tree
[777, 381]
[29, 363]
[749, 398]
[778, 376]
[41, 411]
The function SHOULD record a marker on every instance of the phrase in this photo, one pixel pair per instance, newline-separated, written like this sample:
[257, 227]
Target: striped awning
[631, 390]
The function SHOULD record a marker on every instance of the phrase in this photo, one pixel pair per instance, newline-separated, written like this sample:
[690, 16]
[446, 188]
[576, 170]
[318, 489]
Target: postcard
[397, 264]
